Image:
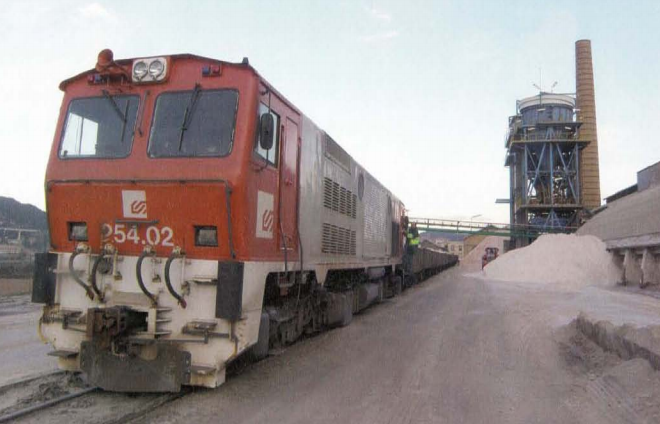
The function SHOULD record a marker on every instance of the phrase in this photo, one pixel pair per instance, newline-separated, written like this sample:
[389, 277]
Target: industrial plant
[211, 254]
[552, 156]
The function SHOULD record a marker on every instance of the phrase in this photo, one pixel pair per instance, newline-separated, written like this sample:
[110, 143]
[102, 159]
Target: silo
[586, 105]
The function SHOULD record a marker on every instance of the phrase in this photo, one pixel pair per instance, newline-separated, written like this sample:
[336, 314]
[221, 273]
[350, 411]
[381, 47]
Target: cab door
[288, 188]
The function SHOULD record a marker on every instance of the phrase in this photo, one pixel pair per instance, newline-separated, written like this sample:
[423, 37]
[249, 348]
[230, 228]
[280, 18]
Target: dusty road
[453, 350]
[456, 349]
[15, 286]
[22, 354]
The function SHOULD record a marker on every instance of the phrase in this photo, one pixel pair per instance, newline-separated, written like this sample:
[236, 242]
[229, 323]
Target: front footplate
[126, 373]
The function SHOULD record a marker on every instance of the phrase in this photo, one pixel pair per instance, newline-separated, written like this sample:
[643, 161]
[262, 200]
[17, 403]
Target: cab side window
[269, 155]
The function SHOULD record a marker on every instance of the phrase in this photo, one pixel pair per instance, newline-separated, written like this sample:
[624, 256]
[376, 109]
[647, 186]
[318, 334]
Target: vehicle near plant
[195, 215]
[489, 256]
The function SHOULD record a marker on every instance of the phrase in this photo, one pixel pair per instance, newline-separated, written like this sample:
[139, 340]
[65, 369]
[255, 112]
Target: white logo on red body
[134, 203]
[267, 221]
[265, 215]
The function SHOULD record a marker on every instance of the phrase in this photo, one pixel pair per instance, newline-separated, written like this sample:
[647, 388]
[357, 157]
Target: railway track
[62, 397]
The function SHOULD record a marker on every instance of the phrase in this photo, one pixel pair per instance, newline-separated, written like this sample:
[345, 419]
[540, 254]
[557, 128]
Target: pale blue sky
[419, 92]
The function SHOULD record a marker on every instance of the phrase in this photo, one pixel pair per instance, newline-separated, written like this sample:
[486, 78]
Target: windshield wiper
[188, 113]
[122, 115]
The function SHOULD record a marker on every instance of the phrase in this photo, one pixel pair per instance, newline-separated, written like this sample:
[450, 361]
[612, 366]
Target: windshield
[194, 123]
[100, 127]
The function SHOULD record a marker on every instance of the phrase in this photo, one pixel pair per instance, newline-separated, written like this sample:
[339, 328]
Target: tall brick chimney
[586, 102]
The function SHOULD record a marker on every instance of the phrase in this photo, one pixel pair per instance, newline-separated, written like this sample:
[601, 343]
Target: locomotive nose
[161, 215]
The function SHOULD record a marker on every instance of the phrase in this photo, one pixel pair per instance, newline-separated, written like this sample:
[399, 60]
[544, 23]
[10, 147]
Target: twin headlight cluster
[149, 70]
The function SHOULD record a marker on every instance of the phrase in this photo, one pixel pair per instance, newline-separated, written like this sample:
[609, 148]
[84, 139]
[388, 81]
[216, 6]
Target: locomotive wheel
[347, 311]
[398, 285]
[260, 349]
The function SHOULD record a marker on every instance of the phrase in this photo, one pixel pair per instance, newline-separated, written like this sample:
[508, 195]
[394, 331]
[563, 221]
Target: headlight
[139, 70]
[156, 68]
[206, 236]
[78, 231]
[150, 70]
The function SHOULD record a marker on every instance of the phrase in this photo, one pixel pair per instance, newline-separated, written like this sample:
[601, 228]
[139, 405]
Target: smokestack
[586, 102]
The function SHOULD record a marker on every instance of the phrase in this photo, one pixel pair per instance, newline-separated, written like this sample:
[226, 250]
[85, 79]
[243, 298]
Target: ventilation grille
[338, 199]
[337, 154]
[337, 240]
[377, 232]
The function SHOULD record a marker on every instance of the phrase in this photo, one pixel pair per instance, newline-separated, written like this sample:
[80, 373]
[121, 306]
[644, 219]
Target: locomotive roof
[129, 61]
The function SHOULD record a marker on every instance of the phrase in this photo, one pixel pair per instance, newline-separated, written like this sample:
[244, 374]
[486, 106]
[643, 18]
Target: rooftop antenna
[539, 86]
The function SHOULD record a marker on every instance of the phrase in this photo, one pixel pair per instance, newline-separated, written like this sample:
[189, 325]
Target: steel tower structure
[543, 155]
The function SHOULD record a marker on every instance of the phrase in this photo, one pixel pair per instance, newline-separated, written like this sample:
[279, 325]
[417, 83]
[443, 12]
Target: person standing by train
[413, 239]
[412, 243]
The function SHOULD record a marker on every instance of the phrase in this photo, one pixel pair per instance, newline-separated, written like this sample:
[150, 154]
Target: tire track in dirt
[609, 397]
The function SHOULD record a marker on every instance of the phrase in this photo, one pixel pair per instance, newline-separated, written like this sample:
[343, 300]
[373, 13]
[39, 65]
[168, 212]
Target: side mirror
[266, 124]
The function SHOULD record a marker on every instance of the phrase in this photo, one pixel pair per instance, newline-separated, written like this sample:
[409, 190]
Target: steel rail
[30, 409]
[149, 406]
[12, 384]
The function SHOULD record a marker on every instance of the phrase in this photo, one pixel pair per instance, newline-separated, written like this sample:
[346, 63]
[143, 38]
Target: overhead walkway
[484, 228]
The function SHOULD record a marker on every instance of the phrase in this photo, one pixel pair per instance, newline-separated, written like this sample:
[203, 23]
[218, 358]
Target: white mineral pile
[566, 261]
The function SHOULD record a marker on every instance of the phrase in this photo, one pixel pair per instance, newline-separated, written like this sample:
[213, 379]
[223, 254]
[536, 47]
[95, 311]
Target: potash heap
[568, 261]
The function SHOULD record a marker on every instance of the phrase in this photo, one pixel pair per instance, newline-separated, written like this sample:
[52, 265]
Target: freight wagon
[428, 262]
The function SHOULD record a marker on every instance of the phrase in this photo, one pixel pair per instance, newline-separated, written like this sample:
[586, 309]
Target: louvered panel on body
[335, 196]
[353, 206]
[339, 199]
[338, 240]
[376, 229]
[327, 193]
[342, 200]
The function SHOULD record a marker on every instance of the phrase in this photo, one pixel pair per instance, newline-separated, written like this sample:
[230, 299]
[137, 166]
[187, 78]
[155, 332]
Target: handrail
[176, 254]
[148, 251]
[74, 274]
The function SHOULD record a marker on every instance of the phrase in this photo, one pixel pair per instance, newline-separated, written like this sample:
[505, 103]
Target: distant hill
[21, 215]
[16, 253]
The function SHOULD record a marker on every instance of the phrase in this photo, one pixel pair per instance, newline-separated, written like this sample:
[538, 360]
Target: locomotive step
[155, 333]
[202, 369]
[63, 353]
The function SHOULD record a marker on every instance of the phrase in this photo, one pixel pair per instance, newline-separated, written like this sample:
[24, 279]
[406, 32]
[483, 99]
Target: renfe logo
[267, 221]
[134, 203]
[265, 215]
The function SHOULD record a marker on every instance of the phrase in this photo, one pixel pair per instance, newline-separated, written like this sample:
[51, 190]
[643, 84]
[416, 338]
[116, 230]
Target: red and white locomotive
[196, 214]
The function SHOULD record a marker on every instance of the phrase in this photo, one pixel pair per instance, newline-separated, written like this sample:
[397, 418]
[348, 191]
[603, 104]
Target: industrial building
[629, 224]
[552, 155]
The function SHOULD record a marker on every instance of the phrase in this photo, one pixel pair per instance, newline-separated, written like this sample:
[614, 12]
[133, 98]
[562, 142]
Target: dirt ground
[455, 349]
[22, 354]
[14, 286]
